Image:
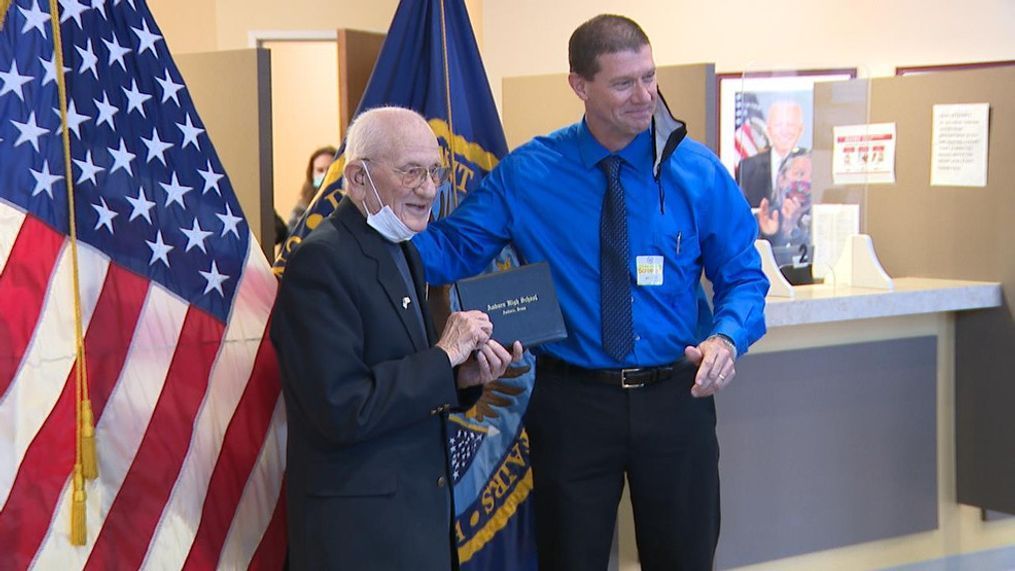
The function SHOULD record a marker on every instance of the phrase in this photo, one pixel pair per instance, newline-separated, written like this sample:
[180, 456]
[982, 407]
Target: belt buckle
[623, 379]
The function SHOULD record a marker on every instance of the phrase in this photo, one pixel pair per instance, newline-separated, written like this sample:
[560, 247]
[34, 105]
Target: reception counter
[911, 296]
[837, 437]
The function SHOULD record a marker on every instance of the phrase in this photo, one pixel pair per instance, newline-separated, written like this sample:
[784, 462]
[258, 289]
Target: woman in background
[317, 167]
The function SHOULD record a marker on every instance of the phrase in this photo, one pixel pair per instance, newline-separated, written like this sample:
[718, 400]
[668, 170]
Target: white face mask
[318, 179]
[385, 221]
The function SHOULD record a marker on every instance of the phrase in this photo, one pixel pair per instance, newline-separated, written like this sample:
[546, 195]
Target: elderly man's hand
[465, 332]
[487, 364]
[714, 358]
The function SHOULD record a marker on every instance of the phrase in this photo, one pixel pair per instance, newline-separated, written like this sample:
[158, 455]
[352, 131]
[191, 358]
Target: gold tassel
[89, 463]
[78, 532]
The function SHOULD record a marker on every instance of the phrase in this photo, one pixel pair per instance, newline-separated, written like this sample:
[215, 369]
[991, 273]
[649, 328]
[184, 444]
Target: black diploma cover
[521, 303]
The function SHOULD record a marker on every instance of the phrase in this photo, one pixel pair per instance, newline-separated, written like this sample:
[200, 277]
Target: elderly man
[367, 385]
[628, 212]
[757, 174]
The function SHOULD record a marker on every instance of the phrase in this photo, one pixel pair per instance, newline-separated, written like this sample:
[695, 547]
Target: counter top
[822, 303]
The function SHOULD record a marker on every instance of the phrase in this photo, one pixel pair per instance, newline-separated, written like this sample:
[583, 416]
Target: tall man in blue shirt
[628, 212]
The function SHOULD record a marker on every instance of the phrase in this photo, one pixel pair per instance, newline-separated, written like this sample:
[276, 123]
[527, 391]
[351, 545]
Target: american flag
[749, 136]
[175, 300]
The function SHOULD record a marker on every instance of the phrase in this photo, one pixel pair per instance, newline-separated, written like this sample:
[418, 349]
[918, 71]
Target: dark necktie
[614, 257]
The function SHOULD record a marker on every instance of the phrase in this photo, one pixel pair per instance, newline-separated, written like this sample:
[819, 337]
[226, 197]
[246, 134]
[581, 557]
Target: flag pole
[84, 464]
[4, 6]
[451, 123]
[440, 300]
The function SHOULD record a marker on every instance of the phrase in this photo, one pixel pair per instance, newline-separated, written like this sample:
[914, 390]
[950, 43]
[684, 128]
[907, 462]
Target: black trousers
[585, 436]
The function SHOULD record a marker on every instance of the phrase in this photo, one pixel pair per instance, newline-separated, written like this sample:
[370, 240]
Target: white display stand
[858, 266]
[779, 286]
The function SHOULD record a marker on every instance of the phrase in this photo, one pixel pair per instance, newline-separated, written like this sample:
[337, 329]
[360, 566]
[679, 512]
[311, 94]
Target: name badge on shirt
[650, 270]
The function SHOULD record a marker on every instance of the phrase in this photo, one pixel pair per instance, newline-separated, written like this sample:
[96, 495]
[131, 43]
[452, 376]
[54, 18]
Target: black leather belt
[624, 378]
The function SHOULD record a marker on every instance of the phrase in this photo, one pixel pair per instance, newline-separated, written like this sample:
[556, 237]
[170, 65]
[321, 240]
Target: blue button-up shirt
[546, 198]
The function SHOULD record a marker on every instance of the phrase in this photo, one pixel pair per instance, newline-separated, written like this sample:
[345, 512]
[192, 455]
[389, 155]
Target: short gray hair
[373, 132]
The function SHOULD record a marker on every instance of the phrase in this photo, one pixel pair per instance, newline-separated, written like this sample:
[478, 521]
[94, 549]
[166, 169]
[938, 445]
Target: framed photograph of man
[765, 140]
[745, 102]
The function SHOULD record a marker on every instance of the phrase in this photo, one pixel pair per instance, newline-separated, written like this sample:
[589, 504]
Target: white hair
[372, 133]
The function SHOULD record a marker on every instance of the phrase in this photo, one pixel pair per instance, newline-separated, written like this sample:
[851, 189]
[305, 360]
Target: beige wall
[187, 25]
[247, 15]
[208, 25]
[524, 37]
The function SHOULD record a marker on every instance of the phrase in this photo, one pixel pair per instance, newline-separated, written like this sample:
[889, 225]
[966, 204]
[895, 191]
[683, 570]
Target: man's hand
[487, 364]
[714, 358]
[465, 332]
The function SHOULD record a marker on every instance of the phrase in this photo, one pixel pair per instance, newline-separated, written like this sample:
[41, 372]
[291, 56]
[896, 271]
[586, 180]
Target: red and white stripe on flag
[189, 419]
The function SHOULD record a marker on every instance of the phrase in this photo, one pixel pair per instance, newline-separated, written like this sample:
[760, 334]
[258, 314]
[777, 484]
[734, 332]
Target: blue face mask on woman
[385, 221]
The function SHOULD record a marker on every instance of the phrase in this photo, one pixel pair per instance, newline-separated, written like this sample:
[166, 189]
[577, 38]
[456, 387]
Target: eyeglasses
[413, 177]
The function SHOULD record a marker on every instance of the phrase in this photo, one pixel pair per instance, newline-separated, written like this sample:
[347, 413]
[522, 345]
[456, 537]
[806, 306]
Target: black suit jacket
[755, 177]
[367, 397]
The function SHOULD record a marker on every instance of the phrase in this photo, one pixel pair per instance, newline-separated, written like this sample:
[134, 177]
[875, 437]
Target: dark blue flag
[430, 63]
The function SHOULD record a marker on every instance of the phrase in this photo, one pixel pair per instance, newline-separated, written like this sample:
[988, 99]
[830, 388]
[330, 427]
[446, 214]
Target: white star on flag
[196, 236]
[175, 191]
[30, 131]
[214, 278]
[100, 7]
[44, 180]
[74, 119]
[140, 206]
[146, 39]
[116, 52]
[211, 179]
[88, 168]
[160, 250]
[135, 98]
[35, 19]
[14, 81]
[190, 133]
[156, 146]
[88, 59]
[169, 88]
[106, 215]
[229, 222]
[72, 9]
[106, 111]
[50, 67]
[121, 159]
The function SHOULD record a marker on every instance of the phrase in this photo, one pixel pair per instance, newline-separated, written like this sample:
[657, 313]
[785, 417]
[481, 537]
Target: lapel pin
[405, 302]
